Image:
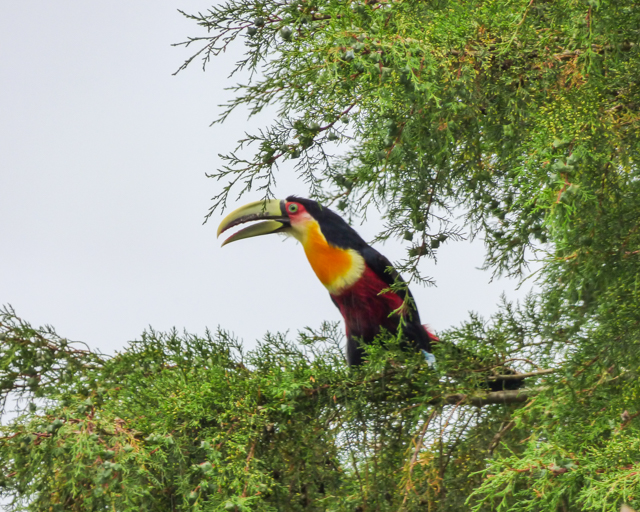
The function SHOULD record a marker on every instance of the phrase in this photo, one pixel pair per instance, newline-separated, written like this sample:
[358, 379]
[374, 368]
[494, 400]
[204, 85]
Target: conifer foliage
[524, 114]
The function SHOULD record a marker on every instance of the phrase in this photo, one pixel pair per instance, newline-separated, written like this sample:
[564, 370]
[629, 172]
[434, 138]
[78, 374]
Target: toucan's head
[293, 216]
[331, 245]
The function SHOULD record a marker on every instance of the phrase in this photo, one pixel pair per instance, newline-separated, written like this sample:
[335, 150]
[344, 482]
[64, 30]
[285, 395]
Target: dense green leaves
[183, 422]
[524, 116]
[186, 422]
[511, 111]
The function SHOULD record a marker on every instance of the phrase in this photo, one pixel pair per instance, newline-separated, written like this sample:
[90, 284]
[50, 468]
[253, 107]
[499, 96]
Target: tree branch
[495, 397]
[521, 376]
[496, 439]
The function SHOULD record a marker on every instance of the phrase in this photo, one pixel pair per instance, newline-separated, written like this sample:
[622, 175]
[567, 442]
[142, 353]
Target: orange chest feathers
[336, 268]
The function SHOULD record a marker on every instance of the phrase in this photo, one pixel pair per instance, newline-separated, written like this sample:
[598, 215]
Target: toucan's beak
[272, 209]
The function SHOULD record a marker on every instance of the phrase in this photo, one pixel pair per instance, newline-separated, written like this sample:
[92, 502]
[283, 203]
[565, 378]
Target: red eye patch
[294, 208]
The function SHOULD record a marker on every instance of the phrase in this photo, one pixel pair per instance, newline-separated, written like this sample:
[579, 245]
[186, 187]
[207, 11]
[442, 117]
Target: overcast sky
[103, 155]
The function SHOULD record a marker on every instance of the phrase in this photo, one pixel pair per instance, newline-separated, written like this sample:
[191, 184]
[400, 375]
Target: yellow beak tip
[269, 210]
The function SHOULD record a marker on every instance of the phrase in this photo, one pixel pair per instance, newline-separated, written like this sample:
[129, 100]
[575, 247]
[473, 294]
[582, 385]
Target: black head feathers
[334, 228]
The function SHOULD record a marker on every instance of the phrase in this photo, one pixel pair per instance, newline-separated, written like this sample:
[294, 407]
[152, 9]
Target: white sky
[102, 188]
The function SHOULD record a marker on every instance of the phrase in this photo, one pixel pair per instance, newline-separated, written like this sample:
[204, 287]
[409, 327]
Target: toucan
[357, 277]
[362, 283]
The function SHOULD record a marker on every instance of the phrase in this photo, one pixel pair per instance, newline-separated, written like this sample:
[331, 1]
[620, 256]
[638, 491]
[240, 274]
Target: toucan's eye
[292, 208]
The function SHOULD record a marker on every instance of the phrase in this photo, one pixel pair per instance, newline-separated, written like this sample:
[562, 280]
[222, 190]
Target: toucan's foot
[431, 359]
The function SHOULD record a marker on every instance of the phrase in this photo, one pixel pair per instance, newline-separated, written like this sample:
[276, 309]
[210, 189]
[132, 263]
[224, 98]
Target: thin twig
[496, 439]
[414, 457]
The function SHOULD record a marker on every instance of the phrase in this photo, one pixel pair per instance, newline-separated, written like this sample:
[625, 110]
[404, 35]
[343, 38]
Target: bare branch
[495, 397]
[521, 376]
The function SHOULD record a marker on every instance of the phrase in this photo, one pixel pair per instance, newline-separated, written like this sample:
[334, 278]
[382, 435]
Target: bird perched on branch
[358, 278]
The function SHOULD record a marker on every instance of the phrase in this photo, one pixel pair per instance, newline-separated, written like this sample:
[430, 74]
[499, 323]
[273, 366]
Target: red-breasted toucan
[357, 276]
